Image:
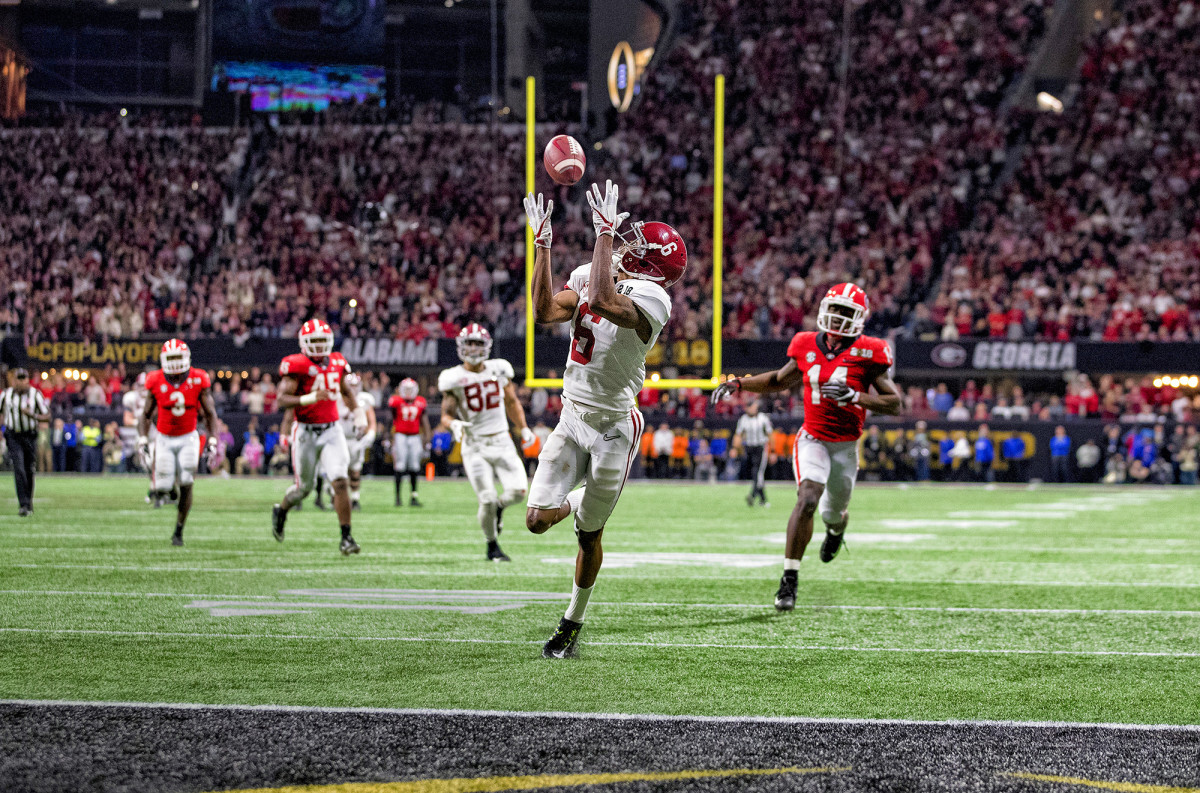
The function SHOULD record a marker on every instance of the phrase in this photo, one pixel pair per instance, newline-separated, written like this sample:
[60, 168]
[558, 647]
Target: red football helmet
[651, 252]
[316, 338]
[175, 357]
[409, 388]
[474, 344]
[843, 310]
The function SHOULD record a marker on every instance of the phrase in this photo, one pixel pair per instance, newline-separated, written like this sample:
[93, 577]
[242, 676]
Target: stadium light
[1158, 382]
[1049, 102]
[124, 111]
[353, 303]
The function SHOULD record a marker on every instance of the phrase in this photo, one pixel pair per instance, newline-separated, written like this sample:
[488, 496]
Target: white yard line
[518, 714]
[505, 573]
[655, 644]
[459, 595]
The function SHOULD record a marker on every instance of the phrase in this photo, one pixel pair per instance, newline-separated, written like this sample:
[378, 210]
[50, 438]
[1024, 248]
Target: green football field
[1072, 604]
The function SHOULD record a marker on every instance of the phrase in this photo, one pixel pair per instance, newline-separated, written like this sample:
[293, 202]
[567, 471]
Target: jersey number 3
[178, 403]
[584, 341]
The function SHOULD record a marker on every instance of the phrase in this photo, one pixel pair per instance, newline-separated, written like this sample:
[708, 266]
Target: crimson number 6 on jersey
[583, 342]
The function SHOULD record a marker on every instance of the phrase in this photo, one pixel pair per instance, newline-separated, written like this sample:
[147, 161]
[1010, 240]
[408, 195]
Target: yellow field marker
[493, 784]
[1124, 787]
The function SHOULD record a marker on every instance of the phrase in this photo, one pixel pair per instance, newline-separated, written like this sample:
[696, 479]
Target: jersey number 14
[838, 375]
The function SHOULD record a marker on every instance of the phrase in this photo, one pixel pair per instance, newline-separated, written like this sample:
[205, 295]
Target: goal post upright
[717, 253]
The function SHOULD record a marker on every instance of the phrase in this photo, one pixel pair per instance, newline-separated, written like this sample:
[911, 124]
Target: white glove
[360, 422]
[724, 390]
[527, 438]
[605, 218]
[538, 218]
[458, 428]
[143, 451]
[840, 393]
[210, 452]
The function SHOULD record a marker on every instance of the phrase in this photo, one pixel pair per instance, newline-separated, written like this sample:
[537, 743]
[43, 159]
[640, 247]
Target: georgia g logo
[812, 356]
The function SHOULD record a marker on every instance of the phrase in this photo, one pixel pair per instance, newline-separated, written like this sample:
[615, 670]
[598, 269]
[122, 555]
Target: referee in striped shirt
[754, 430]
[21, 409]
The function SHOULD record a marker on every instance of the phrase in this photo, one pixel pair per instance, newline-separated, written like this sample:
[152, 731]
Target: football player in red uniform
[836, 366]
[178, 393]
[410, 435]
[309, 385]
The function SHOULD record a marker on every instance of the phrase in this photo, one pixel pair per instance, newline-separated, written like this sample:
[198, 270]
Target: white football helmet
[409, 388]
[474, 344]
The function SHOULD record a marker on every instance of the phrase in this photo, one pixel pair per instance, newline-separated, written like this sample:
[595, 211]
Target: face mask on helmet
[316, 345]
[474, 351]
[175, 358]
[409, 388]
[176, 362]
[841, 317]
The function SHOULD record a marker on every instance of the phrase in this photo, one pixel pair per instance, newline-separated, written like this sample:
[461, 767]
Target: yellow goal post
[654, 381]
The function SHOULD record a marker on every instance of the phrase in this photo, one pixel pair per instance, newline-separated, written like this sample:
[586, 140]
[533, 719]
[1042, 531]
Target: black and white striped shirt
[755, 430]
[12, 405]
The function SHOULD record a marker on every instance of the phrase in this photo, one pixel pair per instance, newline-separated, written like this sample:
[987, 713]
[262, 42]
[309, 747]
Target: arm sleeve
[445, 381]
[652, 300]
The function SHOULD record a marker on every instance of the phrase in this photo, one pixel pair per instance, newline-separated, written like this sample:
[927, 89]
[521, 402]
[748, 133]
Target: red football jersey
[310, 378]
[857, 366]
[177, 403]
[407, 415]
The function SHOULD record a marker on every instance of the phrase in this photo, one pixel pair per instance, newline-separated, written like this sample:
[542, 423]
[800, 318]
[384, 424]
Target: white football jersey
[480, 395]
[134, 401]
[607, 365]
[346, 417]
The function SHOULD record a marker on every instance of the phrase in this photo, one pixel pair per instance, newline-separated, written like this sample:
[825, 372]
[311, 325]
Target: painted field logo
[309, 601]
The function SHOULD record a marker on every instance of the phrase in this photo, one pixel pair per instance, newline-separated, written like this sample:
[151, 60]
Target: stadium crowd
[412, 230]
[123, 227]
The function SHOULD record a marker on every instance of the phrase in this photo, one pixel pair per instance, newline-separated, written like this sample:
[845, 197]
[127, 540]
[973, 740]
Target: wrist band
[308, 399]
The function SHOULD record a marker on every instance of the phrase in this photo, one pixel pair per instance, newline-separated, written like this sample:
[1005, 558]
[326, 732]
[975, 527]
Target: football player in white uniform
[134, 403]
[478, 400]
[358, 446]
[619, 305]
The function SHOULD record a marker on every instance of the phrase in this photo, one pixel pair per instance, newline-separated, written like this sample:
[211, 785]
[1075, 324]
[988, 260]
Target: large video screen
[328, 31]
[299, 86]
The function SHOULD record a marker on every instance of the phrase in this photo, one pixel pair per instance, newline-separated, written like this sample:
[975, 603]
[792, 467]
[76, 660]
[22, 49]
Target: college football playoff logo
[812, 356]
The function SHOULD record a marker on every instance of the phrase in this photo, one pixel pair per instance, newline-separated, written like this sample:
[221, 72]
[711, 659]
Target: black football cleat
[278, 519]
[785, 597]
[177, 540]
[563, 643]
[414, 501]
[355, 506]
[833, 543]
[24, 512]
[349, 546]
[494, 553]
